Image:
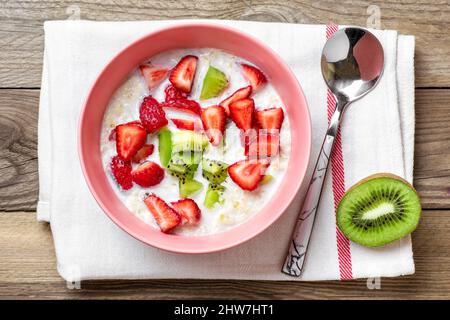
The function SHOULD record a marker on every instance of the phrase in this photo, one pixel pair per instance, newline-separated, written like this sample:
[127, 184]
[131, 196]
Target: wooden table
[27, 258]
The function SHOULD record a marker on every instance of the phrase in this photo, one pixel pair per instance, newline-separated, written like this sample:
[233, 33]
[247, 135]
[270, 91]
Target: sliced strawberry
[189, 211]
[247, 136]
[213, 119]
[153, 75]
[173, 93]
[121, 171]
[241, 112]
[270, 119]
[237, 95]
[247, 174]
[184, 124]
[130, 137]
[166, 217]
[256, 78]
[265, 145]
[182, 75]
[187, 105]
[148, 174]
[178, 100]
[152, 115]
[144, 152]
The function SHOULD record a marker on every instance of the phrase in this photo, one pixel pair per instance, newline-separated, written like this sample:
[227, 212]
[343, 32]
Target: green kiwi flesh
[214, 83]
[188, 141]
[379, 210]
[213, 195]
[165, 145]
[180, 168]
[189, 187]
[214, 171]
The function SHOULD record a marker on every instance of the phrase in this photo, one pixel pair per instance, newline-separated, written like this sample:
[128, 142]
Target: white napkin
[377, 134]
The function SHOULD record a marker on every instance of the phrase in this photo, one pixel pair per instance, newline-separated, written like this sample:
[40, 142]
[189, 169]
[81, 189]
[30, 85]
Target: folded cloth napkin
[377, 136]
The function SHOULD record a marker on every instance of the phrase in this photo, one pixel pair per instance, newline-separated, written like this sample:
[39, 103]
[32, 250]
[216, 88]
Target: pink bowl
[194, 35]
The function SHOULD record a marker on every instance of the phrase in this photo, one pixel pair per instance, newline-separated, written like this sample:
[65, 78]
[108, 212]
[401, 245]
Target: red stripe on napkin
[338, 182]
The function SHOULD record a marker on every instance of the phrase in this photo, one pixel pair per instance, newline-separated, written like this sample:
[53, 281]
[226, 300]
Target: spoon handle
[305, 221]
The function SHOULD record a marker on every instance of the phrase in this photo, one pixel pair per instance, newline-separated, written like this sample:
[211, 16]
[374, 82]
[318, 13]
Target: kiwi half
[378, 210]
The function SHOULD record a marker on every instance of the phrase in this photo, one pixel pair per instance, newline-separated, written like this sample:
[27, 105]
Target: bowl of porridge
[195, 138]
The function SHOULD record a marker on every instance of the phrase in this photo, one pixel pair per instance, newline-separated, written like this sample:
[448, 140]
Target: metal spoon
[352, 63]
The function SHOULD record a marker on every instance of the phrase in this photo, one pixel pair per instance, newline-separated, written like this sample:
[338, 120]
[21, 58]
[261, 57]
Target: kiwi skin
[381, 175]
[370, 242]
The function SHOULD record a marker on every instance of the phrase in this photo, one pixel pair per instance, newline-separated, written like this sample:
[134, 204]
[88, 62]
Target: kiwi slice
[379, 210]
[189, 187]
[190, 157]
[179, 167]
[213, 195]
[214, 83]
[164, 145]
[183, 165]
[214, 171]
[188, 141]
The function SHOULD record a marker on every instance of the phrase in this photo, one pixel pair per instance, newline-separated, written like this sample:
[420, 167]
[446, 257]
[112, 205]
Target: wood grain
[21, 31]
[28, 270]
[18, 149]
[432, 148]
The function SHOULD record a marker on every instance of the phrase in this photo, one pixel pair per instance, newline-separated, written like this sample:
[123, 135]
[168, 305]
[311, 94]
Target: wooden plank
[432, 148]
[28, 270]
[18, 148]
[21, 32]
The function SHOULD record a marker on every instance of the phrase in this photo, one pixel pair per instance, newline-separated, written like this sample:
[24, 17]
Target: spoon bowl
[352, 63]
